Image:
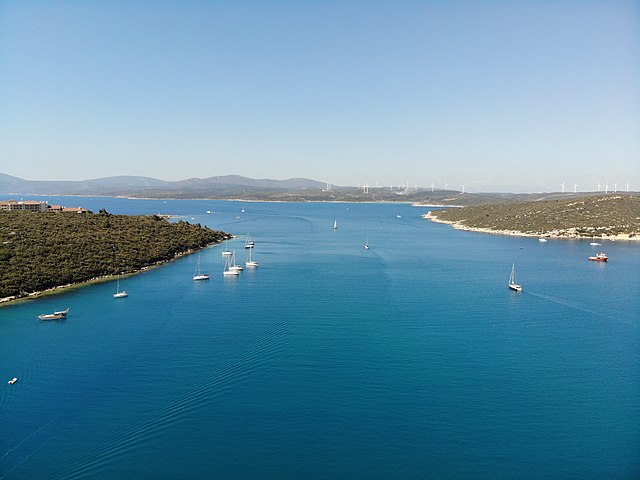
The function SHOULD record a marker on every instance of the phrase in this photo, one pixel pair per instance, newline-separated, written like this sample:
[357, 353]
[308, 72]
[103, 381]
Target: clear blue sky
[498, 95]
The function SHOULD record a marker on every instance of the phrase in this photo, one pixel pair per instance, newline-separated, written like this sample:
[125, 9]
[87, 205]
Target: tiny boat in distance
[55, 315]
[601, 257]
[512, 280]
[13, 380]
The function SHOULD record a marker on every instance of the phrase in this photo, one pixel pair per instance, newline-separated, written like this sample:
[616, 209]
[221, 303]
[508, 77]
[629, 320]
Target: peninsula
[44, 251]
[601, 216]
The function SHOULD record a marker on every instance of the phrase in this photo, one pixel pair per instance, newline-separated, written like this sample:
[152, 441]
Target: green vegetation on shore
[39, 251]
[603, 215]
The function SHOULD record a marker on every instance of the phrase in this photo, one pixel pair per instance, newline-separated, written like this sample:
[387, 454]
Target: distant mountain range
[235, 187]
[140, 186]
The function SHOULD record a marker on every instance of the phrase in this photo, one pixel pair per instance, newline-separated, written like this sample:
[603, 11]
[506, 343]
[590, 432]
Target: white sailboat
[119, 294]
[335, 224]
[249, 243]
[512, 280]
[233, 265]
[227, 271]
[593, 242]
[366, 244]
[251, 262]
[197, 275]
[226, 252]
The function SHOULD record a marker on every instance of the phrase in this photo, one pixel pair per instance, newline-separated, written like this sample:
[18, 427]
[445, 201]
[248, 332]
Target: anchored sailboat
[227, 252]
[233, 265]
[251, 262]
[228, 271]
[119, 294]
[197, 275]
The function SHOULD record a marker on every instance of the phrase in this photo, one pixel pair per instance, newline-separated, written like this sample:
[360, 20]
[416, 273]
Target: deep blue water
[408, 360]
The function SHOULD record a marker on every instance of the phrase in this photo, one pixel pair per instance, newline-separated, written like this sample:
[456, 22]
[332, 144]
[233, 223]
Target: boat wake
[129, 435]
[573, 305]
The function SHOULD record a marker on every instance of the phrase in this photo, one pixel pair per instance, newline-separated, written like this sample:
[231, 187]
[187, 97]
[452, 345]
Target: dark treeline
[44, 250]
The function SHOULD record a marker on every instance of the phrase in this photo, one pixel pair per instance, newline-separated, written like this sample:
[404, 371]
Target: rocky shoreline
[566, 234]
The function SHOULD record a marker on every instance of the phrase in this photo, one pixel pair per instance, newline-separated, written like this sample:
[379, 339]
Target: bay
[408, 360]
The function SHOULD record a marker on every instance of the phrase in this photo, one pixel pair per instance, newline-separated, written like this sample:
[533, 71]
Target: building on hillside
[30, 205]
[74, 209]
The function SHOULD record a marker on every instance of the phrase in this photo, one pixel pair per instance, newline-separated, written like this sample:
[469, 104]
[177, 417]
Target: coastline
[562, 234]
[93, 281]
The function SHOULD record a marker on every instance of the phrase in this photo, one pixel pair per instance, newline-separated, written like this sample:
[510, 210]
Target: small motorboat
[54, 316]
[601, 257]
[13, 380]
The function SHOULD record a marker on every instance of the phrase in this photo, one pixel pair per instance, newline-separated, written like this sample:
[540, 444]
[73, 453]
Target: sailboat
[512, 280]
[593, 242]
[335, 224]
[251, 262]
[197, 275]
[366, 244]
[119, 294]
[249, 243]
[233, 265]
[227, 252]
[227, 268]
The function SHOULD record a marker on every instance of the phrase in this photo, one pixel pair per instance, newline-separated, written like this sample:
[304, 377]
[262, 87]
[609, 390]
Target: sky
[509, 95]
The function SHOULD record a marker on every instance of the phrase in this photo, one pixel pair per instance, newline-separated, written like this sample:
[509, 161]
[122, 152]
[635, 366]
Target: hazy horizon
[493, 95]
[604, 188]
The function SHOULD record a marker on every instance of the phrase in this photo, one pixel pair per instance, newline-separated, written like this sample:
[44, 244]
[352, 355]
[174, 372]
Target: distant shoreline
[516, 233]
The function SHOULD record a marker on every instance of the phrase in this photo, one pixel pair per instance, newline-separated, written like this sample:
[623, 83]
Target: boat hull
[54, 315]
[601, 257]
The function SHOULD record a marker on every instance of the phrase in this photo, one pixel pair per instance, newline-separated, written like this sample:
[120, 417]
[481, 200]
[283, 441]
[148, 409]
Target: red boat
[601, 257]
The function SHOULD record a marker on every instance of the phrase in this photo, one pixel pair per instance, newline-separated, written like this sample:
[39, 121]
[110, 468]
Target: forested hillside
[44, 250]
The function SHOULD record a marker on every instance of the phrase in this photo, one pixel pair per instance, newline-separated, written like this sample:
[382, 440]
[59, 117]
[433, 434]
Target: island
[42, 252]
[615, 217]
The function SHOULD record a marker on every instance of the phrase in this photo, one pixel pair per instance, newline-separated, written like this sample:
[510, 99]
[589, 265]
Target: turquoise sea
[408, 360]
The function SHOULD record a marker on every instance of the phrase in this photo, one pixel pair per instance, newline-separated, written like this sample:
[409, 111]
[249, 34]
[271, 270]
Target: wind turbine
[575, 186]
[463, 188]
[606, 188]
[562, 185]
[627, 187]
[445, 186]
[615, 187]
[599, 186]
[432, 185]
